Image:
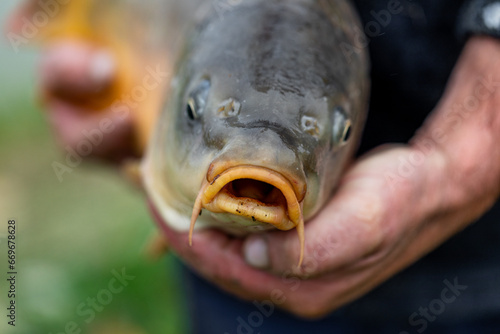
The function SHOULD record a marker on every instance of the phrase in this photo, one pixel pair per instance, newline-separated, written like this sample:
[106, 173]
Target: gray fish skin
[283, 65]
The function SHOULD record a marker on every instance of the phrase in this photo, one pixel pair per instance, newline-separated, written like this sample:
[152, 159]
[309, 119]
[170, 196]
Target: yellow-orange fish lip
[278, 206]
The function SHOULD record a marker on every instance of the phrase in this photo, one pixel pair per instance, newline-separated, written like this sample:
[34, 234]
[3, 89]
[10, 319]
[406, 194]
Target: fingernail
[256, 252]
[102, 67]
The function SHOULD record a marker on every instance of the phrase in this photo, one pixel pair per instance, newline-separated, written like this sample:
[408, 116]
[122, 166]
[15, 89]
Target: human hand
[367, 232]
[73, 72]
[392, 207]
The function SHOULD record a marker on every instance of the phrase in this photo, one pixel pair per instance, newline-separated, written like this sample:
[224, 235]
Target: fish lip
[283, 214]
[212, 189]
[218, 168]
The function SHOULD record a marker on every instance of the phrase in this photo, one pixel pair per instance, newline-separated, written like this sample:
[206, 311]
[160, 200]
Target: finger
[75, 70]
[106, 135]
[344, 232]
[349, 232]
[218, 258]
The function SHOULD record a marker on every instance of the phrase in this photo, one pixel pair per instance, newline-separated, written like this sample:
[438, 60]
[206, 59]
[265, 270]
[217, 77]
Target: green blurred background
[72, 235]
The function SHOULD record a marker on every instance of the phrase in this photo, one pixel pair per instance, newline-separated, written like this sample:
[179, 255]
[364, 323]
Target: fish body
[265, 113]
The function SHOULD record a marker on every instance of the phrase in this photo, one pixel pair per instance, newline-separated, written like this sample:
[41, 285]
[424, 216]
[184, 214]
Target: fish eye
[191, 109]
[197, 100]
[347, 132]
[342, 126]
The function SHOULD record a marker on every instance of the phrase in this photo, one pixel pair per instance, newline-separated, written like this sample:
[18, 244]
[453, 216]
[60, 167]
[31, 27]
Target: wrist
[464, 130]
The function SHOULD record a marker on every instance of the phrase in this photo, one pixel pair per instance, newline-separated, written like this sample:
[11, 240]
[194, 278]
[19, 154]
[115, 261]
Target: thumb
[347, 229]
[259, 248]
[75, 68]
[279, 252]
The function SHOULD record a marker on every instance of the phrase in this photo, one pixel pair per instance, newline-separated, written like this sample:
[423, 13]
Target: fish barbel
[265, 113]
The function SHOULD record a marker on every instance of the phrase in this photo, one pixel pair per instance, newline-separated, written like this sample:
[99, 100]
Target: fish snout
[259, 193]
[255, 192]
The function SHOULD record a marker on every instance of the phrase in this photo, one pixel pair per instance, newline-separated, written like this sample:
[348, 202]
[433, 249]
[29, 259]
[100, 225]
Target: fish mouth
[255, 192]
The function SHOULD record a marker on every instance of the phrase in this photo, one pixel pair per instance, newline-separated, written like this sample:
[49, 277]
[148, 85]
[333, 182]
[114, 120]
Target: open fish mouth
[258, 193]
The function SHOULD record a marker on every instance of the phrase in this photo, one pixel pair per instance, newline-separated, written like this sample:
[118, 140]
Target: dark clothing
[412, 59]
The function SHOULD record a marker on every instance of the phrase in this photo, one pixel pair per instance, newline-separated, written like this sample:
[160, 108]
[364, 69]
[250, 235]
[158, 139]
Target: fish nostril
[229, 108]
[310, 125]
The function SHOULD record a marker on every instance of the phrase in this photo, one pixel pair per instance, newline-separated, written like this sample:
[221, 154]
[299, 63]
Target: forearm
[454, 159]
[463, 134]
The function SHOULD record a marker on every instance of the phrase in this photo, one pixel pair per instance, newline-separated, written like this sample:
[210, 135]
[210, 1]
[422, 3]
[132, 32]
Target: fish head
[257, 131]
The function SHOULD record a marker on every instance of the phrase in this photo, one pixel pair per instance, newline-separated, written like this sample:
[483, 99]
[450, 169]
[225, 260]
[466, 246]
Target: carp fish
[266, 111]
